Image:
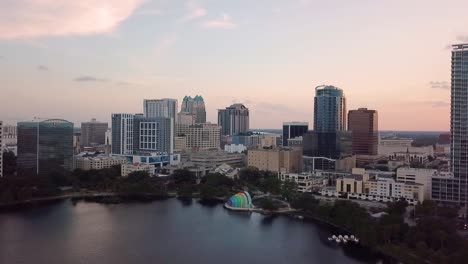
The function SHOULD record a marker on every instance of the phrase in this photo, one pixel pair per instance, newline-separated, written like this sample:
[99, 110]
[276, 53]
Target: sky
[86, 59]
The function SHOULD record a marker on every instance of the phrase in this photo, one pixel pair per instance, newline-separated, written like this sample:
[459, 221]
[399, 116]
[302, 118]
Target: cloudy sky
[90, 58]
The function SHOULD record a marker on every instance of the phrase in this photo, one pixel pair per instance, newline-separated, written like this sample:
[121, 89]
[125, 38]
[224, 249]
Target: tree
[207, 192]
[268, 204]
[251, 175]
[271, 185]
[289, 190]
[9, 164]
[183, 176]
[185, 191]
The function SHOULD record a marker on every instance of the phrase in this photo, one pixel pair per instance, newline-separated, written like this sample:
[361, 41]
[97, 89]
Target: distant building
[306, 181]
[333, 145]
[195, 107]
[126, 169]
[122, 134]
[10, 137]
[276, 160]
[198, 137]
[269, 140]
[293, 130]
[248, 139]
[329, 109]
[152, 134]
[212, 159]
[108, 141]
[234, 119]
[93, 133]
[184, 118]
[45, 147]
[161, 108]
[1, 149]
[395, 142]
[233, 148]
[295, 142]
[421, 176]
[363, 123]
[97, 162]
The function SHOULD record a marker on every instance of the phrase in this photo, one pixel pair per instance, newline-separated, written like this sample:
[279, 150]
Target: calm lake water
[163, 232]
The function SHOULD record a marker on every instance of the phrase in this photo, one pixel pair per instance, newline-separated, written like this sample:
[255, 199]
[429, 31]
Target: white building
[122, 134]
[98, 162]
[409, 157]
[306, 182]
[129, 168]
[388, 187]
[235, 148]
[10, 136]
[388, 150]
[396, 142]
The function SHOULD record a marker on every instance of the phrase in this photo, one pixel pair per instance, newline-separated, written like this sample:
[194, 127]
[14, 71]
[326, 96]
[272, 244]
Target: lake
[164, 232]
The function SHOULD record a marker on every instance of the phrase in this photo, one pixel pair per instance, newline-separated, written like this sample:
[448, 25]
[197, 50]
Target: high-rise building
[363, 123]
[152, 134]
[185, 118]
[234, 119]
[194, 106]
[122, 134]
[93, 133]
[459, 117]
[45, 147]
[160, 108]
[293, 130]
[1, 149]
[276, 160]
[199, 137]
[329, 109]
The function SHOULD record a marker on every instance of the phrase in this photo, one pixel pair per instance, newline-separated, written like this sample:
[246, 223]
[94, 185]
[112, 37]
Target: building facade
[234, 119]
[293, 130]
[195, 107]
[122, 134]
[98, 162]
[459, 119]
[45, 147]
[93, 133]
[329, 109]
[363, 123]
[276, 160]
[152, 134]
[126, 169]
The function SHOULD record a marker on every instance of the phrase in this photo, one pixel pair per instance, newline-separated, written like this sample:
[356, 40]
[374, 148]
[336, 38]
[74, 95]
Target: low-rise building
[227, 171]
[421, 176]
[129, 168]
[97, 162]
[276, 160]
[306, 182]
[214, 158]
[233, 148]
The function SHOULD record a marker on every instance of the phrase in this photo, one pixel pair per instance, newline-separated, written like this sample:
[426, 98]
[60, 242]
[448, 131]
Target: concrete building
[293, 130]
[160, 108]
[97, 162]
[269, 140]
[409, 157]
[10, 135]
[213, 159]
[198, 137]
[276, 160]
[233, 148]
[248, 139]
[386, 150]
[93, 133]
[195, 107]
[45, 147]
[363, 123]
[350, 184]
[388, 187]
[184, 118]
[420, 176]
[122, 134]
[108, 141]
[296, 142]
[306, 182]
[126, 169]
[396, 142]
[234, 119]
[1, 149]
[153, 134]
[181, 143]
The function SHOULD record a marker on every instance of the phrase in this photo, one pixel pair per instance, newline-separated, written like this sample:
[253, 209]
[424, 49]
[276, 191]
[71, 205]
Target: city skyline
[393, 58]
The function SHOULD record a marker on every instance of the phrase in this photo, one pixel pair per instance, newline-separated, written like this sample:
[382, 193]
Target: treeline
[433, 239]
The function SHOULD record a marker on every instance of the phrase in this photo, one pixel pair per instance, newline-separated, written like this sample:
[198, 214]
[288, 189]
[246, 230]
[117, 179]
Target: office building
[332, 145]
[93, 133]
[363, 123]
[195, 107]
[1, 149]
[420, 176]
[152, 134]
[161, 108]
[234, 119]
[276, 160]
[122, 134]
[459, 118]
[213, 159]
[198, 137]
[97, 162]
[45, 147]
[293, 130]
[306, 181]
[248, 139]
[184, 118]
[10, 137]
[329, 109]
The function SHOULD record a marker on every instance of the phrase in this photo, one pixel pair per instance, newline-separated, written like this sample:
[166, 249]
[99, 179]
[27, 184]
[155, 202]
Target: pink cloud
[22, 19]
[225, 22]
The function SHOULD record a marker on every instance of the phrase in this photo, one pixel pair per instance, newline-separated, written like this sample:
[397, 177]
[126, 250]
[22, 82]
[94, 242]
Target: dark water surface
[163, 232]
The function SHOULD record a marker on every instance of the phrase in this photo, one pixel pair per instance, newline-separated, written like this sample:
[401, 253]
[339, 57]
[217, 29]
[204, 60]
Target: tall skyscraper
[294, 129]
[459, 117]
[234, 119]
[160, 108]
[152, 134]
[122, 134]
[93, 133]
[45, 147]
[1, 149]
[194, 106]
[363, 123]
[329, 109]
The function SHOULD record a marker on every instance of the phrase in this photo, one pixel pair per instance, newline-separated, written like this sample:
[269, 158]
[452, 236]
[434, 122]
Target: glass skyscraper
[329, 109]
[152, 134]
[234, 119]
[45, 147]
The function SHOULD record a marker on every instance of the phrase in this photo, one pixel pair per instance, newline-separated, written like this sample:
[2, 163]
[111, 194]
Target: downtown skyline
[392, 57]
